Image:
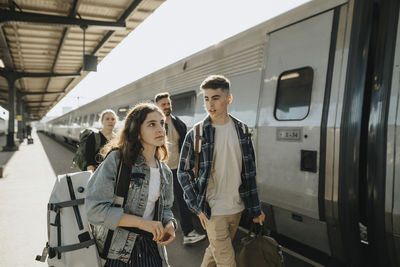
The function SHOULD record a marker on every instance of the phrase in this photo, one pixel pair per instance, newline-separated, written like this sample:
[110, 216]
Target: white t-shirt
[223, 187]
[154, 193]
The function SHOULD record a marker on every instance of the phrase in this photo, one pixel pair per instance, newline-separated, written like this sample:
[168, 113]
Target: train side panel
[288, 145]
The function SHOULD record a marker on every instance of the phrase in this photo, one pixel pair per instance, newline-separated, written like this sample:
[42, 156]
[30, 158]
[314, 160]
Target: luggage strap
[73, 247]
[51, 251]
[56, 206]
[75, 207]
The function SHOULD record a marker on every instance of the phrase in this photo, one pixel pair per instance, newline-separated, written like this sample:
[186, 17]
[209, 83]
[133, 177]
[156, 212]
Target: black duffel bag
[257, 249]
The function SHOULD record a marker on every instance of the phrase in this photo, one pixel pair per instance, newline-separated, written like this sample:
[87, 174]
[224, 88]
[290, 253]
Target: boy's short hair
[215, 82]
[160, 96]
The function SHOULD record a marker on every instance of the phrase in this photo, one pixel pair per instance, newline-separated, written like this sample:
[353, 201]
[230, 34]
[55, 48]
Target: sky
[177, 29]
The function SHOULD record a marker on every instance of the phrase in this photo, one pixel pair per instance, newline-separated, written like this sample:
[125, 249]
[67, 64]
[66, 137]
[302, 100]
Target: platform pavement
[25, 188]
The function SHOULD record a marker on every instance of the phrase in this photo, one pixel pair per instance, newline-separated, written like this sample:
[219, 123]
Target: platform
[25, 188]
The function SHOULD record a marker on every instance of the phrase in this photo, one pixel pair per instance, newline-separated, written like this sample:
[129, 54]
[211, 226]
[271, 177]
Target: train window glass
[293, 95]
[184, 104]
[91, 119]
[97, 117]
[84, 121]
[121, 113]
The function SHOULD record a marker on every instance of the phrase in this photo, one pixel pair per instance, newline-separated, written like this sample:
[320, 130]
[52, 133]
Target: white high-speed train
[319, 86]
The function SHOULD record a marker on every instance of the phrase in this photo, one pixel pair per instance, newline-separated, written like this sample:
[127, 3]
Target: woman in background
[108, 119]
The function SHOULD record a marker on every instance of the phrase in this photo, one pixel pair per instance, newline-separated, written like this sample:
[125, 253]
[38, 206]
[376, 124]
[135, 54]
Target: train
[319, 88]
[3, 121]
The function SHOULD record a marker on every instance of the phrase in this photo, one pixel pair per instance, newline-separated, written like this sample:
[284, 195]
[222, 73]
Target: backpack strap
[118, 201]
[97, 140]
[246, 131]
[121, 190]
[198, 138]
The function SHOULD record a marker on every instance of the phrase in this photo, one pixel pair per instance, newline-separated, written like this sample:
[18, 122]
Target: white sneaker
[192, 237]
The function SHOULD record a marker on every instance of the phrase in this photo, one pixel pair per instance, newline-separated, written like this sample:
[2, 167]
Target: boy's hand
[260, 219]
[203, 219]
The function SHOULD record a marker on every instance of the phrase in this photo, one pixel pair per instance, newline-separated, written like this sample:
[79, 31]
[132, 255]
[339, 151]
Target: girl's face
[152, 131]
[108, 121]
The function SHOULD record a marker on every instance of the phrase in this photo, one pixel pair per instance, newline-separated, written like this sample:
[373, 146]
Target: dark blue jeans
[184, 213]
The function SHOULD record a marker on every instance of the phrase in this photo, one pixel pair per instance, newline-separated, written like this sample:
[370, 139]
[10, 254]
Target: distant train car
[319, 87]
[3, 121]
[3, 126]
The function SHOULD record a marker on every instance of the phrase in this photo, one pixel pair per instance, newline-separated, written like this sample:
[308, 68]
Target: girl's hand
[91, 168]
[154, 227]
[168, 235]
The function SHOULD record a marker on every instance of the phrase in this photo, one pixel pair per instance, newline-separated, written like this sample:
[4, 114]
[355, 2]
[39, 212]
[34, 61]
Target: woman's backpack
[70, 241]
[79, 159]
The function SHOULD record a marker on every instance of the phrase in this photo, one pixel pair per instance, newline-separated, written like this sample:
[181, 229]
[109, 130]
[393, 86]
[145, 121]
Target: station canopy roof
[41, 43]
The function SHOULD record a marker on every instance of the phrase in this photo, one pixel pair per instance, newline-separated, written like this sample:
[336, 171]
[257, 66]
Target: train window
[121, 113]
[184, 104]
[91, 119]
[293, 95]
[97, 117]
[84, 120]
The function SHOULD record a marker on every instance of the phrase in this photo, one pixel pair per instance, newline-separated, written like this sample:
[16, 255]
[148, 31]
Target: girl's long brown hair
[127, 141]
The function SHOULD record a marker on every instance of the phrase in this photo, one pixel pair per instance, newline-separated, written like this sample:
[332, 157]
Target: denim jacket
[103, 216]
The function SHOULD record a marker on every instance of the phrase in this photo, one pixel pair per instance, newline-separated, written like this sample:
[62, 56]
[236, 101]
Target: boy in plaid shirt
[226, 182]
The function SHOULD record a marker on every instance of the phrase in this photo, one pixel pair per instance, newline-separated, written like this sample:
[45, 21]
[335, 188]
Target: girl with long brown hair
[141, 145]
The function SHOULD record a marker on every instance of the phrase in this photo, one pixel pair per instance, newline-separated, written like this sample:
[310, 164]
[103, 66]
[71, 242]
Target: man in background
[176, 131]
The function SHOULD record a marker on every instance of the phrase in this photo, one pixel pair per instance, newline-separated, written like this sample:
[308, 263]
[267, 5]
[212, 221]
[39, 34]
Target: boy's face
[216, 102]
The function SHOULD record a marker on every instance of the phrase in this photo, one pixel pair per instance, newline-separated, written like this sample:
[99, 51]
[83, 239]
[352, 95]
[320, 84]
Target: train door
[298, 59]
[383, 161]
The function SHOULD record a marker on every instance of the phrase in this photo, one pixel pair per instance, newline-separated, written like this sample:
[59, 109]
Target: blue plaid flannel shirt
[195, 189]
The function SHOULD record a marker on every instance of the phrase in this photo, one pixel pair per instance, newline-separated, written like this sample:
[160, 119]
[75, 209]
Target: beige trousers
[221, 231]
